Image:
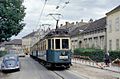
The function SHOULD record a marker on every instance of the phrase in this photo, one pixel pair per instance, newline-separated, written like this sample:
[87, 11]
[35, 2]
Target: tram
[54, 49]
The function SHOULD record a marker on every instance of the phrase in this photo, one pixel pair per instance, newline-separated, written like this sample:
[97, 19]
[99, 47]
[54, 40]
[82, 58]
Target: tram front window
[57, 42]
[65, 44]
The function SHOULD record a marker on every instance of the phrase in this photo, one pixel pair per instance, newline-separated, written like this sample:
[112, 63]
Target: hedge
[114, 54]
[2, 53]
[95, 54]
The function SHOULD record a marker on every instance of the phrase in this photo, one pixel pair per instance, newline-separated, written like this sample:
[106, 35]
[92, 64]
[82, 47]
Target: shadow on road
[57, 69]
[8, 71]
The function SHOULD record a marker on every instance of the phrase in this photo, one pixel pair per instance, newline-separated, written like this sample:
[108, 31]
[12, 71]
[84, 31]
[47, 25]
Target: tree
[12, 13]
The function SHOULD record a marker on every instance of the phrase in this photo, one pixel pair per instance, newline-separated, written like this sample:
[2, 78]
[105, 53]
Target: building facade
[29, 40]
[91, 35]
[14, 45]
[113, 29]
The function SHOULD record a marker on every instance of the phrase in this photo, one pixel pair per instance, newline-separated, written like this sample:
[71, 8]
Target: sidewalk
[97, 65]
[88, 72]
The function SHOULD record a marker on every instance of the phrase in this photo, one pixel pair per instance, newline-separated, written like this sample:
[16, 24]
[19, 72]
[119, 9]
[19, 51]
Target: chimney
[66, 24]
[81, 20]
[91, 20]
[61, 25]
[72, 23]
[76, 22]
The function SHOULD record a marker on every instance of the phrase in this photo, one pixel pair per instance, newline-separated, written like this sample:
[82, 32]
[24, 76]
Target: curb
[99, 68]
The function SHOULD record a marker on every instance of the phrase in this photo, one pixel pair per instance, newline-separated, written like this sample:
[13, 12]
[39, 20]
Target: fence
[87, 61]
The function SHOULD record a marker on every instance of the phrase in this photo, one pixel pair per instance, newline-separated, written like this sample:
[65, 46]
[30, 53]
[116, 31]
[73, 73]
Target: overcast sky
[74, 11]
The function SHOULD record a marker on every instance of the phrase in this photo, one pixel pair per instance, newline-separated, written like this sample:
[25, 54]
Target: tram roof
[58, 33]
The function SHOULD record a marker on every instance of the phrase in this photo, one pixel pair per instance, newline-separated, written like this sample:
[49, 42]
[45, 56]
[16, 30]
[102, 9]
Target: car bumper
[10, 68]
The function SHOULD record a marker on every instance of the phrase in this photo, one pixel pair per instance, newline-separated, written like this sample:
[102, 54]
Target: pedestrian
[107, 59]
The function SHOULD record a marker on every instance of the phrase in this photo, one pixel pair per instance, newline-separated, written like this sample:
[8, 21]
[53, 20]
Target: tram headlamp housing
[63, 53]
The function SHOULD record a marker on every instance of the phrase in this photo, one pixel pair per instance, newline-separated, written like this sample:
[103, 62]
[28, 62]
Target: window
[65, 44]
[117, 44]
[49, 43]
[110, 44]
[57, 42]
[117, 24]
[52, 43]
[110, 25]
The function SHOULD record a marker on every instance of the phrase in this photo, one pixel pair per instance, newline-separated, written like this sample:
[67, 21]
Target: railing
[88, 61]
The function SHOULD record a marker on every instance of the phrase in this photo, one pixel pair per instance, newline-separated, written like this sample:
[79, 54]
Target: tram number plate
[63, 57]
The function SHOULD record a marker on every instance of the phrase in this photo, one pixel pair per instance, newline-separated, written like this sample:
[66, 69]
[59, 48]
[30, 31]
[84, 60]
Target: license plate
[63, 57]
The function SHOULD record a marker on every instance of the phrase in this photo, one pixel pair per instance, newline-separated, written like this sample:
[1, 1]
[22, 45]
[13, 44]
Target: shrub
[2, 53]
[114, 54]
[95, 54]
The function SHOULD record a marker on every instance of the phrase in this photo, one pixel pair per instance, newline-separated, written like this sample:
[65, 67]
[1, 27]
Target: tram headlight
[63, 53]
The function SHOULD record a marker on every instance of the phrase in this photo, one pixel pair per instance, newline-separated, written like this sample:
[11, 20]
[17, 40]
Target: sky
[70, 10]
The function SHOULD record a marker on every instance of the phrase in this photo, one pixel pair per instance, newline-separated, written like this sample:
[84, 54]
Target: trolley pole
[57, 24]
[56, 17]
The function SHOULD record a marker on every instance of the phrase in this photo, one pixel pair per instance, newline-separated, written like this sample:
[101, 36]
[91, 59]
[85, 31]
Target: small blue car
[10, 62]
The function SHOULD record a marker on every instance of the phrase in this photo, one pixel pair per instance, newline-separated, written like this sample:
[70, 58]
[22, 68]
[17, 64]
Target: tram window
[57, 42]
[65, 44]
[52, 43]
[49, 43]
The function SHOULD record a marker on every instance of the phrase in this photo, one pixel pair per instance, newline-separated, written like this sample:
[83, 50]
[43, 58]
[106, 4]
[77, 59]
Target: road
[31, 69]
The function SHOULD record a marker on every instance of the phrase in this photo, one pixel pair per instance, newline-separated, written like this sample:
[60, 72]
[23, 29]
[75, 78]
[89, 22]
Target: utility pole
[56, 17]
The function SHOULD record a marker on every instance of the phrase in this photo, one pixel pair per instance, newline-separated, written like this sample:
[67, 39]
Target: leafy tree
[12, 13]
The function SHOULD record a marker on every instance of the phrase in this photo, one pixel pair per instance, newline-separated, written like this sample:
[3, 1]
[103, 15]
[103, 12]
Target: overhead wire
[64, 5]
[39, 19]
[67, 2]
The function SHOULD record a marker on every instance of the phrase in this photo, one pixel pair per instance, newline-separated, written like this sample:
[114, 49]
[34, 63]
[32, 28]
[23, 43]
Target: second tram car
[53, 50]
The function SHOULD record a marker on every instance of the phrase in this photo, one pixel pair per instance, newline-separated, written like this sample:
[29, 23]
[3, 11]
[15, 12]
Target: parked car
[21, 54]
[10, 62]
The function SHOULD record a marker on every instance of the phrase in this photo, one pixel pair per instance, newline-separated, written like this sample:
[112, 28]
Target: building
[72, 26]
[2, 46]
[113, 29]
[91, 35]
[14, 45]
[94, 35]
[75, 36]
[29, 40]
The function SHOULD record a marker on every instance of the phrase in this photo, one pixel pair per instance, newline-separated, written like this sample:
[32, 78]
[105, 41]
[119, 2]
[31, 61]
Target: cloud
[74, 11]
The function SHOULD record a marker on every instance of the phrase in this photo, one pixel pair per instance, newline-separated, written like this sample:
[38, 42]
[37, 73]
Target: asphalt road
[31, 69]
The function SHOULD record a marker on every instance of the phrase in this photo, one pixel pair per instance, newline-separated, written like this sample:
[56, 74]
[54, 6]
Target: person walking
[107, 59]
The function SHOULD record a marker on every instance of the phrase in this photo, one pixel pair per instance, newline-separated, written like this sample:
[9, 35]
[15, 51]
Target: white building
[113, 29]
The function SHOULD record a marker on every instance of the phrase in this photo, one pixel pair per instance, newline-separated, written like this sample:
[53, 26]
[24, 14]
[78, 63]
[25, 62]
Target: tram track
[59, 75]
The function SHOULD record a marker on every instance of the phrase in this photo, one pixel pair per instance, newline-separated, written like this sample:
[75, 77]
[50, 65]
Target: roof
[30, 35]
[3, 44]
[14, 42]
[76, 31]
[96, 25]
[57, 33]
[114, 10]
